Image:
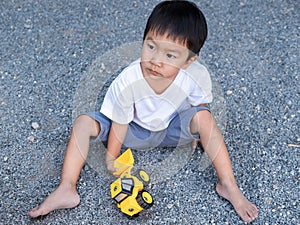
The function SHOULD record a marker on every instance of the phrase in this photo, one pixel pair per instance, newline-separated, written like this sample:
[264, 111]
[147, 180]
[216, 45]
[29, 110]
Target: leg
[213, 144]
[66, 196]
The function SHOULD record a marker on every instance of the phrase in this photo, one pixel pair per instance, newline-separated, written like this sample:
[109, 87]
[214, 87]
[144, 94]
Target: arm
[115, 140]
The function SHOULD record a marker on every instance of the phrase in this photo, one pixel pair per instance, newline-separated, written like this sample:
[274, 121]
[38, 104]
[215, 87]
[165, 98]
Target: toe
[253, 211]
[246, 217]
[252, 214]
[34, 209]
[34, 213]
[37, 211]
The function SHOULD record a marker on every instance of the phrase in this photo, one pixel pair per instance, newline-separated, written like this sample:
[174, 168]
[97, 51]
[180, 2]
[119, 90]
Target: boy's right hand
[109, 160]
[110, 166]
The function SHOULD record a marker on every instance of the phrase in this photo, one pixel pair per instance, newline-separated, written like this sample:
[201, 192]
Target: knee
[202, 116]
[201, 119]
[87, 124]
[83, 120]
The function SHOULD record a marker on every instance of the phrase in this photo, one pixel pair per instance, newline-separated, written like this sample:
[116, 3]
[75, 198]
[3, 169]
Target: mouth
[153, 72]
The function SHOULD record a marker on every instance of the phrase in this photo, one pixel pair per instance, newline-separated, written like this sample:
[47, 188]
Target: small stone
[28, 24]
[5, 158]
[35, 125]
[244, 89]
[31, 138]
[169, 206]
[269, 130]
[229, 92]
[102, 68]
[268, 201]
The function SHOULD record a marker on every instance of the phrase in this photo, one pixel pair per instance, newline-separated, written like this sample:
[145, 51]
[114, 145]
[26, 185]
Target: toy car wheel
[143, 176]
[145, 199]
[133, 216]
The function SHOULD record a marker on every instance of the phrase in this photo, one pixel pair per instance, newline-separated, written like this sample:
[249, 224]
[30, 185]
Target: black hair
[183, 21]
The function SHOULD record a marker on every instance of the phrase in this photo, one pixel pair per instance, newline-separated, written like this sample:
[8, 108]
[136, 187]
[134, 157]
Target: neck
[159, 84]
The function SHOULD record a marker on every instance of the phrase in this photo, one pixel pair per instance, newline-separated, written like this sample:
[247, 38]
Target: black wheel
[145, 199]
[132, 217]
[143, 176]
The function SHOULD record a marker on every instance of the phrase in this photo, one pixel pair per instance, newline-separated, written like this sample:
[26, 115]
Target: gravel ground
[46, 49]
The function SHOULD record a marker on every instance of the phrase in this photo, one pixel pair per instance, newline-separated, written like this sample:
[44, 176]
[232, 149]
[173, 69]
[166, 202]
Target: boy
[158, 100]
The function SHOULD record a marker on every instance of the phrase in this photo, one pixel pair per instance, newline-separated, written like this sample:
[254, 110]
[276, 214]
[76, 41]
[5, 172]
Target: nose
[156, 60]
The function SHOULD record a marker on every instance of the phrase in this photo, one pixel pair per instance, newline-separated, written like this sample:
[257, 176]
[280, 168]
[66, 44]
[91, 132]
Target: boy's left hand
[195, 143]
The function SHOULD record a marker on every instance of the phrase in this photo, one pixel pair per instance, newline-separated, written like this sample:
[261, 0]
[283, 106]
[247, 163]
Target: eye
[151, 46]
[170, 56]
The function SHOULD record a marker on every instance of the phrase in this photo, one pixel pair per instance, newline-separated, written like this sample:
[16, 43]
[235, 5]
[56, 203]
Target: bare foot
[245, 209]
[64, 197]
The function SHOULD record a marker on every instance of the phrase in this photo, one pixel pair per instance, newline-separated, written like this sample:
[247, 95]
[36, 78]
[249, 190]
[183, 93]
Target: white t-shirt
[130, 98]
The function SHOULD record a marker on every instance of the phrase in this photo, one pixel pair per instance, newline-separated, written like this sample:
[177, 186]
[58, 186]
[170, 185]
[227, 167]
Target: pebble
[244, 89]
[31, 138]
[229, 92]
[170, 206]
[35, 125]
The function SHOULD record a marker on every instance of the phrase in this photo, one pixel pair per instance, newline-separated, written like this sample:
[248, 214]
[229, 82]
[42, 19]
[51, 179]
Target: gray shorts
[176, 134]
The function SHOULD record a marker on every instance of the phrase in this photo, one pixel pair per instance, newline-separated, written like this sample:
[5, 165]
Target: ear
[189, 62]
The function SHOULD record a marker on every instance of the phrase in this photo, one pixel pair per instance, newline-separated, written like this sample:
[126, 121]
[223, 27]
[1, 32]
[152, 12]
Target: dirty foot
[64, 197]
[245, 209]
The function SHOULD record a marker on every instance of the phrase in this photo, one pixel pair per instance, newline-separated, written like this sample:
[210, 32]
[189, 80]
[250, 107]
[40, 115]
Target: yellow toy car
[128, 190]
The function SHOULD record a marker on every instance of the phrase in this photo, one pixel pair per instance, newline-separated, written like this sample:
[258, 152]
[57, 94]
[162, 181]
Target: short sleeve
[118, 101]
[201, 92]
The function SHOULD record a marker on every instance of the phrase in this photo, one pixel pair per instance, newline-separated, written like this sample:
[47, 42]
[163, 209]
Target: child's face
[162, 57]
